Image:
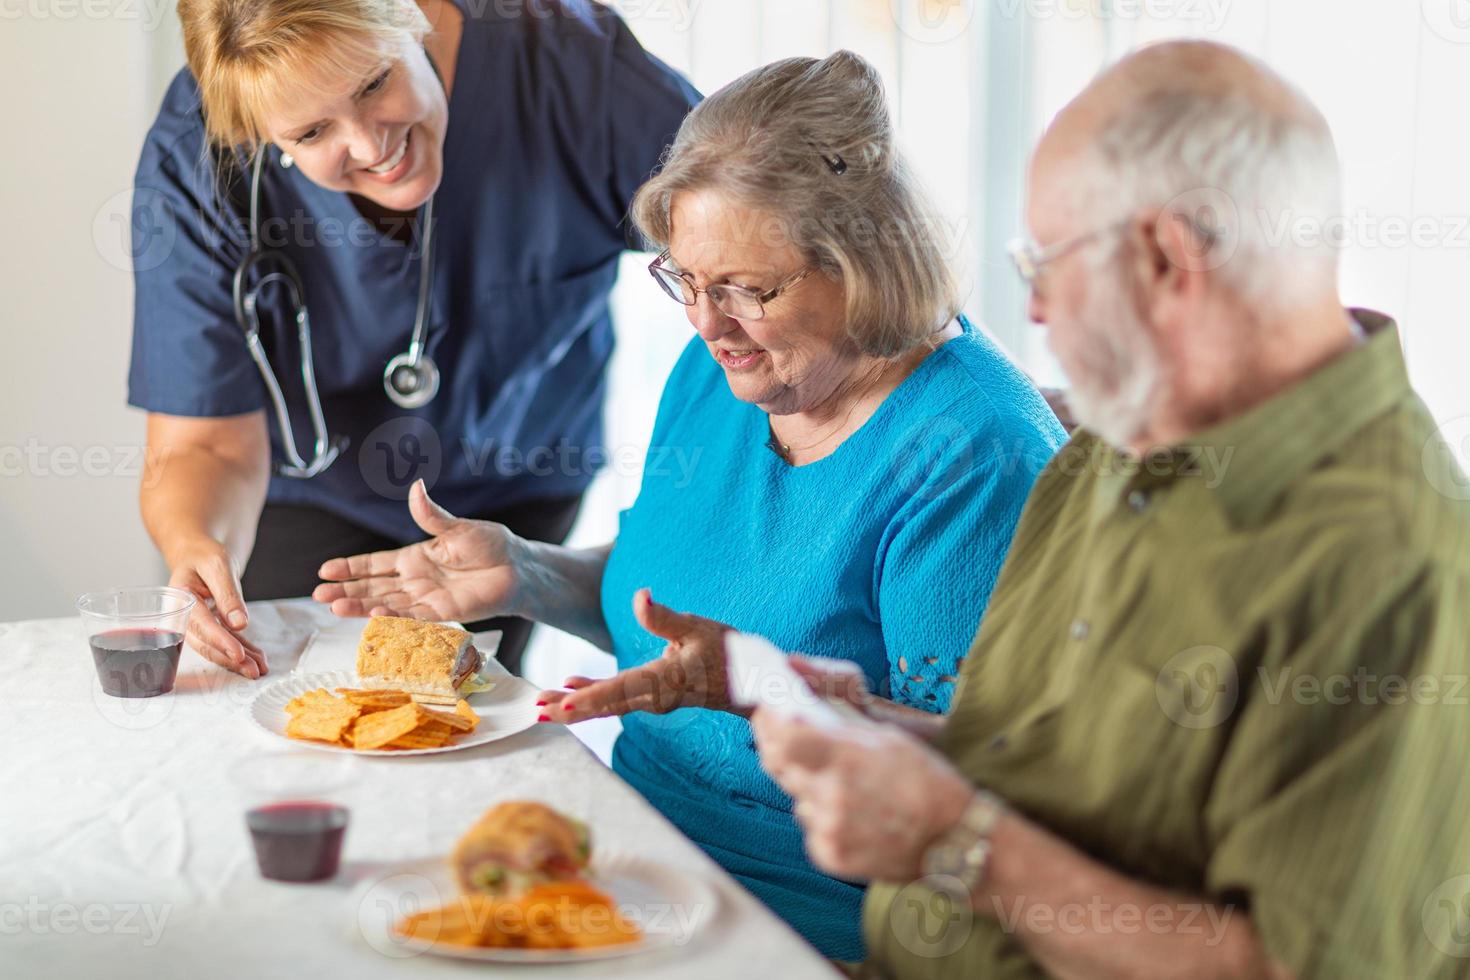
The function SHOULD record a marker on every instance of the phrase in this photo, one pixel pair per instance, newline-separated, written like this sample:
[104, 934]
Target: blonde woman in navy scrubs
[506, 145]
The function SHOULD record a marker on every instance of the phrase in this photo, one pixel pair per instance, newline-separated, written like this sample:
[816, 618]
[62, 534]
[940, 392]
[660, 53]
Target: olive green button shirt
[1237, 670]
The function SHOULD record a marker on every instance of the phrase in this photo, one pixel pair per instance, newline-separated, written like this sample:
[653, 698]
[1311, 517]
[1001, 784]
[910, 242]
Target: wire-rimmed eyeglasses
[739, 302]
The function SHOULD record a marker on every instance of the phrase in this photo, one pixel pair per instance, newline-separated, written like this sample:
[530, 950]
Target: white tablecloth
[123, 849]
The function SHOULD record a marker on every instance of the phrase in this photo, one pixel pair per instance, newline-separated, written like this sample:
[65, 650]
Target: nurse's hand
[464, 572]
[215, 627]
[690, 674]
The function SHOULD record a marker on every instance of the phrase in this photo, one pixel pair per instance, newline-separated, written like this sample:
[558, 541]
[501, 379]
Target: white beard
[1119, 371]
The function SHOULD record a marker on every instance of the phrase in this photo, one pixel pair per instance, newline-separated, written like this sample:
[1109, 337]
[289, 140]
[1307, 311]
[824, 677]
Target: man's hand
[835, 680]
[871, 800]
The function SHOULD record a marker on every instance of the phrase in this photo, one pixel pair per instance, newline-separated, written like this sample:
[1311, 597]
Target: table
[123, 850]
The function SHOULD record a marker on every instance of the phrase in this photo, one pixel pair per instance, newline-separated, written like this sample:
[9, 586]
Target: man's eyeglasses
[740, 302]
[1029, 257]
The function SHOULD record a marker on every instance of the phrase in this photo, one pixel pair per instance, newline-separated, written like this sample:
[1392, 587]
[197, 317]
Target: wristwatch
[961, 853]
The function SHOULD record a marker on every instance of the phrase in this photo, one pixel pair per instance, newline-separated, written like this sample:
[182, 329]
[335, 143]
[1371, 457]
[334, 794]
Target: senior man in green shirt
[1215, 722]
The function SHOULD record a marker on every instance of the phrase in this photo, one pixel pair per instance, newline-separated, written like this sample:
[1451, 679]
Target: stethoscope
[411, 379]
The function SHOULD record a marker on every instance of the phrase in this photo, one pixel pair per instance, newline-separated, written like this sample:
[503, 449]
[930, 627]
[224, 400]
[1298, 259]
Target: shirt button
[998, 742]
[1079, 630]
[1138, 501]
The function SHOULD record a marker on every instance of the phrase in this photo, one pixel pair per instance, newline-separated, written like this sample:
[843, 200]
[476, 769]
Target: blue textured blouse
[883, 553]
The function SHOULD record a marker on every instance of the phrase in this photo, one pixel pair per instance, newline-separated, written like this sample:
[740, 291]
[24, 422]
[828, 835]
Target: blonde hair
[811, 143]
[247, 54]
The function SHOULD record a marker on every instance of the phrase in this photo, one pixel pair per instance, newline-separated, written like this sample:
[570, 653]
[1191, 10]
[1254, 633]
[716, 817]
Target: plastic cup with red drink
[296, 812]
[136, 635]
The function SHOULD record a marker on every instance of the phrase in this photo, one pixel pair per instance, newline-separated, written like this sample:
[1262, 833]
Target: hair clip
[834, 163]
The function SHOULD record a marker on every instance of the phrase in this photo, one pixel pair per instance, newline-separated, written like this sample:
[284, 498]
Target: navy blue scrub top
[556, 116]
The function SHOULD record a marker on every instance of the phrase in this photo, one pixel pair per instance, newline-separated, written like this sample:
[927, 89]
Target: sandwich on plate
[433, 663]
[518, 845]
[520, 872]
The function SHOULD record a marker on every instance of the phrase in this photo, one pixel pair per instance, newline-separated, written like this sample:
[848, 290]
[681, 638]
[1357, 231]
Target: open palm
[691, 673]
[463, 572]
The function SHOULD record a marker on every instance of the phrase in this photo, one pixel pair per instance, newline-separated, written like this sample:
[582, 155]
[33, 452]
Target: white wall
[76, 77]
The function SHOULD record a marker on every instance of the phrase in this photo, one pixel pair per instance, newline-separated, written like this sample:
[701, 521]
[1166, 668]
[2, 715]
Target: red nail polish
[540, 704]
[566, 706]
[543, 718]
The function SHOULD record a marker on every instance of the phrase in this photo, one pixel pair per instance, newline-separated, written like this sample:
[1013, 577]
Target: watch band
[963, 851]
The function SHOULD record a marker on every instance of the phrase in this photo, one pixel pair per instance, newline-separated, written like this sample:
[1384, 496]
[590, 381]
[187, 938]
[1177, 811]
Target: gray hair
[1248, 170]
[811, 143]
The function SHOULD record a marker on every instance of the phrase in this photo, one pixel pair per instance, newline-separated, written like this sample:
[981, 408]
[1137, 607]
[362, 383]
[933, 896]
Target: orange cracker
[412, 741]
[428, 735]
[455, 720]
[464, 710]
[375, 699]
[373, 731]
[303, 702]
[443, 699]
[322, 723]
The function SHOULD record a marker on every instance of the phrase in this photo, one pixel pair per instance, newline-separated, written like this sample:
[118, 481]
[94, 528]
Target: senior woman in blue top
[530, 126]
[860, 461]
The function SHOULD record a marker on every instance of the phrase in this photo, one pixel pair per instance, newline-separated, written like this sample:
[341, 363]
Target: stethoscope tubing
[412, 389]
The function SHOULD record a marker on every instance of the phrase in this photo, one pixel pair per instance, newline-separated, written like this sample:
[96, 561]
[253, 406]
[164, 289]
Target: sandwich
[516, 846]
[432, 663]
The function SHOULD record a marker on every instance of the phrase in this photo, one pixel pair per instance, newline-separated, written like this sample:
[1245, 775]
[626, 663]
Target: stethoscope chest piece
[411, 380]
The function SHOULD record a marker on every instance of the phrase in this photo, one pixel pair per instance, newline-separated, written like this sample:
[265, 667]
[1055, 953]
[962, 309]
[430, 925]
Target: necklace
[784, 450]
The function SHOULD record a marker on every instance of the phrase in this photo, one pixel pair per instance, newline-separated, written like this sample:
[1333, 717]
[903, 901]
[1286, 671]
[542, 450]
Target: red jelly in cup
[137, 663]
[296, 812]
[297, 840]
[136, 636]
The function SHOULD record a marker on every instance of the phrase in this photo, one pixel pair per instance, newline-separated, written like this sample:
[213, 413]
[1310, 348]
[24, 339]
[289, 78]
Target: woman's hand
[464, 572]
[836, 680]
[204, 568]
[690, 674]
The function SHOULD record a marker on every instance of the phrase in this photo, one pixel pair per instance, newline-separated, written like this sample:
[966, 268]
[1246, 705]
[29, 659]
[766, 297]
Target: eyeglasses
[1029, 257]
[739, 302]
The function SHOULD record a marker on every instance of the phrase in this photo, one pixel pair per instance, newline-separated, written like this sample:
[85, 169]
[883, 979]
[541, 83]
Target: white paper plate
[670, 905]
[508, 708]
